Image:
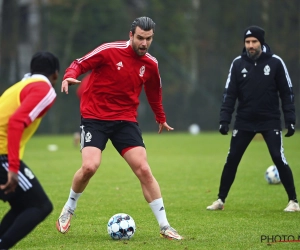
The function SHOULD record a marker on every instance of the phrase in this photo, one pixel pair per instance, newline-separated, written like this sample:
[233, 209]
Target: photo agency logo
[271, 239]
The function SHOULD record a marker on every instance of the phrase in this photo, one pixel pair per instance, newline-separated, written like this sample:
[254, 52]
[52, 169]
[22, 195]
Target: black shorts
[123, 134]
[28, 193]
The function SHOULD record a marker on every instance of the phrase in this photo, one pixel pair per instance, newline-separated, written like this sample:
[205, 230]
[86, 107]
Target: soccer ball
[121, 227]
[272, 175]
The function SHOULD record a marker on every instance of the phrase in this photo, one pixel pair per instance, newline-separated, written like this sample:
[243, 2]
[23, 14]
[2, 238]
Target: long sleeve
[36, 98]
[153, 90]
[86, 63]
[286, 93]
[229, 97]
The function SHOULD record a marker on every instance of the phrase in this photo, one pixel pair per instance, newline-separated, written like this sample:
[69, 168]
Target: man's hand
[291, 130]
[224, 128]
[68, 81]
[11, 184]
[164, 125]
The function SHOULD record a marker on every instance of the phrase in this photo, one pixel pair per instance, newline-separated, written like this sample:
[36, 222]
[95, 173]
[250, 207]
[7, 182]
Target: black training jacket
[257, 85]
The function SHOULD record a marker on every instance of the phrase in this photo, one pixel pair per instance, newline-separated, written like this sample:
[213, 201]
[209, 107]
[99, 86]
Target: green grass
[188, 169]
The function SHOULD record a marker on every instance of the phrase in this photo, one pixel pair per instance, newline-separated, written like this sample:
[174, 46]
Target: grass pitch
[188, 169]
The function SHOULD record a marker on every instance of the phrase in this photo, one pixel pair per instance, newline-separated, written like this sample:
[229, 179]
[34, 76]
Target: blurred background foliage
[195, 42]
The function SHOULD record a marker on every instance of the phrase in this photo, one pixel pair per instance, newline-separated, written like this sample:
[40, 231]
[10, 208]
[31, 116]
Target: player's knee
[144, 173]
[88, 169]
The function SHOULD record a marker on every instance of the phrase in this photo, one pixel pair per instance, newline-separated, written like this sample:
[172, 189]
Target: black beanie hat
[255, 31]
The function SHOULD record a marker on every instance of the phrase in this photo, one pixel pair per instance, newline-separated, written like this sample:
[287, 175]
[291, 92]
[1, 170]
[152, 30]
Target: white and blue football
[121, 227]
[272, 175]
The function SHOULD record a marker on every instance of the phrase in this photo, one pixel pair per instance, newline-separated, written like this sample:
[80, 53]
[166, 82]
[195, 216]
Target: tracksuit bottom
[238, 145]
[29, 205]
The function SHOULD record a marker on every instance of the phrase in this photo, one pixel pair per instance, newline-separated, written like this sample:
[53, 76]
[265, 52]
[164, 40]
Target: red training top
[82, 86]
[117, 77]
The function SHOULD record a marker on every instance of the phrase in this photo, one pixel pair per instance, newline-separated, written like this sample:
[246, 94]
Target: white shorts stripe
[24, 183]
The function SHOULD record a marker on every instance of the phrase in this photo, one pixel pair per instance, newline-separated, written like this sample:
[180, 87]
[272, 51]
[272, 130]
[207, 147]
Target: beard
[253, 55]
[140, 51]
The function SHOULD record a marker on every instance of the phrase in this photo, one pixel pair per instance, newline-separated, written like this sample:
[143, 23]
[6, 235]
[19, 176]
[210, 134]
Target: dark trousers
[29, 205]
[238, 145]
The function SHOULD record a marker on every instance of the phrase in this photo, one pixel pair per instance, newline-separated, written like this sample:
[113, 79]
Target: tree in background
[194, 44]
[9, 43]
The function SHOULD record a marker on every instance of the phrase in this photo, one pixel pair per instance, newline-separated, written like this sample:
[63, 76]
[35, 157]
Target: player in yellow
[22, 107]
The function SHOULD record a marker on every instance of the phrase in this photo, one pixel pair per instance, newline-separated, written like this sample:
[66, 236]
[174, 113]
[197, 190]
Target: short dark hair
[145, 23]
[44, 62]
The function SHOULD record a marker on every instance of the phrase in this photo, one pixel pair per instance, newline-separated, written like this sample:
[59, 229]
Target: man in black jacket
[256, 79]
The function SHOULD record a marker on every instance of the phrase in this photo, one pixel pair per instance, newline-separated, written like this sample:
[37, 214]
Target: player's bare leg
[91, 158]
[137, 160]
